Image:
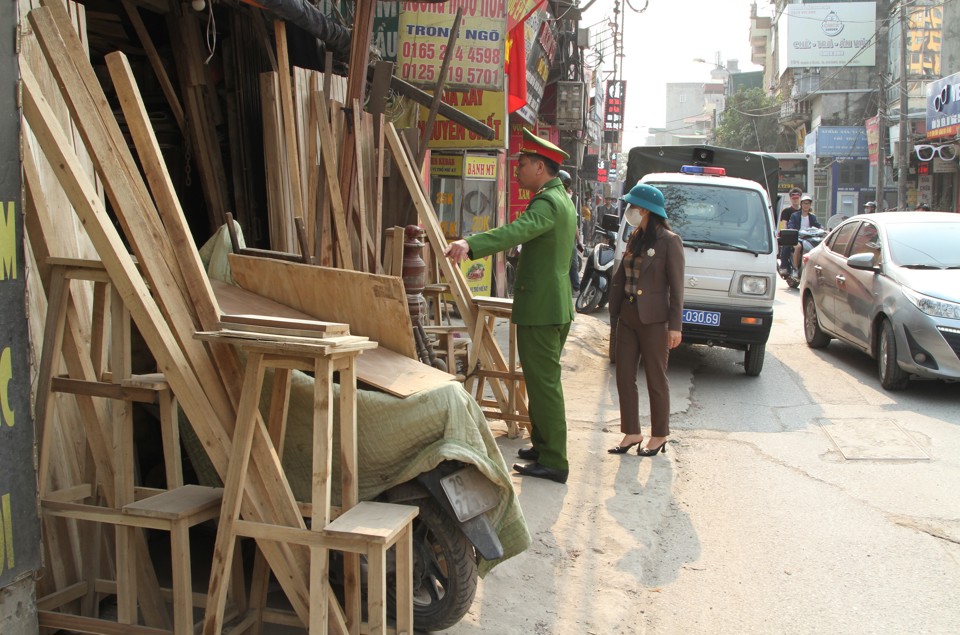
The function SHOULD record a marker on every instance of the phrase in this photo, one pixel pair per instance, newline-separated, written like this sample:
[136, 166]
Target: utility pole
[903, 156]
[883, 36]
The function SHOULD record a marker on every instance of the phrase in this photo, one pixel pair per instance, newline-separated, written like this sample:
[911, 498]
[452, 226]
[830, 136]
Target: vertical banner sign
[19, 523]
[477, 60]
[613, 112]
[541, 49]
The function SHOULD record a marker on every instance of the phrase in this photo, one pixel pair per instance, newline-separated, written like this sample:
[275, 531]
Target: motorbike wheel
[892, 376]
[793, 280]
[444, 570]
[753, 359]
[603, 298]
[589, 298]
[812, 332]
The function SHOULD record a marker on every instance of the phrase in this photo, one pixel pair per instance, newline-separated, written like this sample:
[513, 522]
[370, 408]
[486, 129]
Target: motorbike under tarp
[397, 439]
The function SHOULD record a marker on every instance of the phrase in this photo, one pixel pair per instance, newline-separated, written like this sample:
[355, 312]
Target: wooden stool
[510, 400]
[438, 307]
[371, 529]
[381, 526]
[450, 348]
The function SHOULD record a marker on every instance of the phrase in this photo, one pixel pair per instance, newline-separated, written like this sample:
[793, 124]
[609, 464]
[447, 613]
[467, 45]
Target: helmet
[648, 197]
[565, 178]
[870, 204]
[806, 197]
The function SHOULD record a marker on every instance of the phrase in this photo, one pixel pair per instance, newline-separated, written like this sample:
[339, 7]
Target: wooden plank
[291, 147]
[490, 353]
[374, 306]
[398, 375]
[275, 166]
[335, 196]
[381, 368]
[314, 327]
[157, 64]
[361, 190]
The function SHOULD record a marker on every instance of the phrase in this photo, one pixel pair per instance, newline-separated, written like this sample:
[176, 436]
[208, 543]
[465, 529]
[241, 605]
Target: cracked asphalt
[784, 503]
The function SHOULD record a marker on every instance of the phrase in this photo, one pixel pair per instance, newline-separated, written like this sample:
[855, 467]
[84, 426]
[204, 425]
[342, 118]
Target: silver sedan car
[889, 284]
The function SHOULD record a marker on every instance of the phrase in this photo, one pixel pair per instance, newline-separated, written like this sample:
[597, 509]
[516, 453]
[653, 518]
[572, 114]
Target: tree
[749, 122]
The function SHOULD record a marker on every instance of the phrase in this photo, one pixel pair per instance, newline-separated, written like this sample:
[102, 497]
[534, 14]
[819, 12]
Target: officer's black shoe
[528, 453]
[541, 471]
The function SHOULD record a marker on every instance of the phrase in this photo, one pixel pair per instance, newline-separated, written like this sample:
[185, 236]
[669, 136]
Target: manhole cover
[859, 439]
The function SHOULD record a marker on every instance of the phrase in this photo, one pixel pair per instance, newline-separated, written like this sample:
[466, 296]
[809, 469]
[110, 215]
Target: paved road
[806, 500]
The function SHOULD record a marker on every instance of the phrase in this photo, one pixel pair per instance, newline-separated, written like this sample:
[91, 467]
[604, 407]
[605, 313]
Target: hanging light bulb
[198, 5]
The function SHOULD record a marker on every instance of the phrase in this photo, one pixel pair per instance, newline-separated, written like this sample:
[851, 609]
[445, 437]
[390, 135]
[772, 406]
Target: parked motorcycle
[595, 283]
[449, 533]
[810, 238]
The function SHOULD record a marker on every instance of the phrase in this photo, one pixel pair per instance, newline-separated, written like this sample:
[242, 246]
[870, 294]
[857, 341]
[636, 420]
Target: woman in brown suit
[646, 301]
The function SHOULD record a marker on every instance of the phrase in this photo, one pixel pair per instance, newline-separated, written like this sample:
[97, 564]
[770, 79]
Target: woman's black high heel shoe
[653, 452]
[622, 449]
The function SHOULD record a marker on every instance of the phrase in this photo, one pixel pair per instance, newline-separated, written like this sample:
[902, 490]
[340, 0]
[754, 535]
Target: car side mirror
[863, 262]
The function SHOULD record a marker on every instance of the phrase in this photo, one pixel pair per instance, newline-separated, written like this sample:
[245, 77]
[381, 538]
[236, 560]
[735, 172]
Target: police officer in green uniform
[542, 297]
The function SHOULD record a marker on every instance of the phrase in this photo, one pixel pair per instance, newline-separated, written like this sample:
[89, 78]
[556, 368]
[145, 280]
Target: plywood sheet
[398, 375]
[373, 305]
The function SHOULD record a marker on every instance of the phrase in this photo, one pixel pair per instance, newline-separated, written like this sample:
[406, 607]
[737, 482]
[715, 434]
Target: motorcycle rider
[782, 223]
[803, 219]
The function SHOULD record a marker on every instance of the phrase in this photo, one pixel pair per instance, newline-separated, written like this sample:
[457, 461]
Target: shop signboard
[446, 165]
[479, 274]
[848, 142]
[519, 197]
[827, 34]
[478, 56]
[488, 106]
[386, 21]
[19, 523]
[943, 107]
[613, 109]
[484, 168]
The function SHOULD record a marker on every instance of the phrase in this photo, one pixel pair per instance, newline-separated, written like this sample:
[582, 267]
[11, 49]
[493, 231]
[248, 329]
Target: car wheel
[753, 359]
[892, 377]
[815, 337]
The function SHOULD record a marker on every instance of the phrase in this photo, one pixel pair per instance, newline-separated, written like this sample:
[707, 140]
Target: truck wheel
[892, 376]
[753, 359]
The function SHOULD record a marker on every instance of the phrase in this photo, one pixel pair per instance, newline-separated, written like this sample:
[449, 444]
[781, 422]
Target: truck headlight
[933, 306]
[754, 285]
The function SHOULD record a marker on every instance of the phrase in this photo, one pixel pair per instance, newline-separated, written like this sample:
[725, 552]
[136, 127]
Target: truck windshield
[712, 217]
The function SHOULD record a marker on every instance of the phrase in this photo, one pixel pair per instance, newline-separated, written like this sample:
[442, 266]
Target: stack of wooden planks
[165, 289]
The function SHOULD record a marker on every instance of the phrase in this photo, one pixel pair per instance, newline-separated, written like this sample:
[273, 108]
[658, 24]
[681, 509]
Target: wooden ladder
[112, 496]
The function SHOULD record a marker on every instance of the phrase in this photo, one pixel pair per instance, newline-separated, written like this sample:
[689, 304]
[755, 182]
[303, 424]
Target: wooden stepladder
[361, 528]
[112, 497]
[507, 378]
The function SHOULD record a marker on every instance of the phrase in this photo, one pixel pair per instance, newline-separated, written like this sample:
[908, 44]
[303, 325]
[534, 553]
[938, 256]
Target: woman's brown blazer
[659, 297]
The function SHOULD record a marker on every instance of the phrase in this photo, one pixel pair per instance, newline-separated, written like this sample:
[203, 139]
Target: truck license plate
[470, 492]
[706, 318]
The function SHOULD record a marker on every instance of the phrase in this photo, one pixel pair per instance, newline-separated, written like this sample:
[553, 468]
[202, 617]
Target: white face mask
[633, 216]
